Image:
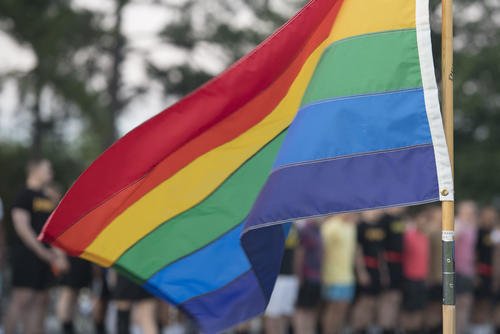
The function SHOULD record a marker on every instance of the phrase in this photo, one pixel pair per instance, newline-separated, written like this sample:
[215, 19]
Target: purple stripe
[373, 180]
[238, 301]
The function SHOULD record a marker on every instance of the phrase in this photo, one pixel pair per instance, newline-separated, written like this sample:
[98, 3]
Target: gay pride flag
[337, 111]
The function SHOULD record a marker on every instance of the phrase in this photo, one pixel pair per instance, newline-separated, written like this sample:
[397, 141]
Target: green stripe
[220, 212]
[371, 63]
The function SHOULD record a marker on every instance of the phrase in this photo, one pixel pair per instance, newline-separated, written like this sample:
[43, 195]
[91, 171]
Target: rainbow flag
[337, 111]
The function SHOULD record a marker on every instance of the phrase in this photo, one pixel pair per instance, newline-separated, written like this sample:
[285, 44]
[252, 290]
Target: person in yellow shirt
[338, 277]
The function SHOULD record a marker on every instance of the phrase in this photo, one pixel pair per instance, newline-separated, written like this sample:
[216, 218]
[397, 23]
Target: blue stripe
[367, 181]
[240, 300]
[203, 271]
[356, 124]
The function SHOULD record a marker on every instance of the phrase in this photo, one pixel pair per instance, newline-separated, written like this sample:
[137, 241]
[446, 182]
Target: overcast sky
[141, 23]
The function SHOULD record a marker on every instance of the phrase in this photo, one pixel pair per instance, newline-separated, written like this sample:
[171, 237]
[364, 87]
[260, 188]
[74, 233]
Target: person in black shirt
[371, 237]
[390, 302]
[2, 236]
[31, 261]
[2, 240]
[484, 266]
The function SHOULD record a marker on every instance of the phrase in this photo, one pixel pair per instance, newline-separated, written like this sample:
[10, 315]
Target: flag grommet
[445, 192]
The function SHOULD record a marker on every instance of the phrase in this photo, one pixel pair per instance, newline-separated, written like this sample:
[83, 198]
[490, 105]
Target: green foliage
[55, 32]
[477, 103]
[219, 30]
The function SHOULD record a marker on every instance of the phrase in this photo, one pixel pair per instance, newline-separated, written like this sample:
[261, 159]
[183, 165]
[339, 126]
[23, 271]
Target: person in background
[3, 247]
[78, 276]
[2, 238]
[433, 318]
[370, 243]
[495, 236]
[282, 303]
[102, 296]
[465, 249]
[134, 305]
[339, 284]
[484, 268]
[416, 270]
[309, 258]
[3, 255]
[390, 300]
[32, 261]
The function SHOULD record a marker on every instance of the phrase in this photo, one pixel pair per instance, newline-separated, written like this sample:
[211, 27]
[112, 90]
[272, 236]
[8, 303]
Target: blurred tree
[477, 97]
[117, 51]
[221, 31]
[74, 48]
[477, 69]
[55, 32]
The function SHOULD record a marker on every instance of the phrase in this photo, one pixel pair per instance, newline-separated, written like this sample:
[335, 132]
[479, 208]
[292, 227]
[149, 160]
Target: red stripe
[194, 122]
[81, 234]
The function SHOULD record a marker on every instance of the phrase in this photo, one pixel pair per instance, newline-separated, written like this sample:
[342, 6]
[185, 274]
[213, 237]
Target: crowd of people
[379, 271]
[382, 269]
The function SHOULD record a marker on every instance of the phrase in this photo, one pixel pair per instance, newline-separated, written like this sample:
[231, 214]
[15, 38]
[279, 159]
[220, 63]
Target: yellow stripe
[196, 181]
[358, 17]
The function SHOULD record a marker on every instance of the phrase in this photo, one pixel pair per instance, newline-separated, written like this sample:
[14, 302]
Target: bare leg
[164, 313]
[145, 316]
[389, 310]
[99, 314]
[433, 317]
[36, 323]
[496, 317]
[243, 328]
[124, 308]
[482, 312]
[363, 313]
[464, 306]
[276, 325]
[65, 308]
[334, 317]
[18, 308]
[305, 321]
[412, 322]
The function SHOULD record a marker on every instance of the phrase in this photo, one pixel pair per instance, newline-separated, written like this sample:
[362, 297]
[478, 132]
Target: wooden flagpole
[448, 257]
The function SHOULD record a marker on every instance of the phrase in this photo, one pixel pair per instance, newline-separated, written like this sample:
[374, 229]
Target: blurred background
[75, 75]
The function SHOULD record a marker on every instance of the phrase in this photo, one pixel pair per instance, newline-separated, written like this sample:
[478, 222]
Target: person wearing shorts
[101, 295]
[465, 251]
[309, 260]
[77, 277]
[390, 300]
[416, 270]
[282, 303]
[129, 297]
[339, 242]
[433, 317]
[483, 292]
[370, 242]
[32, 262]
